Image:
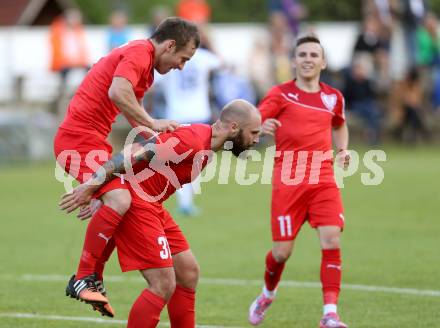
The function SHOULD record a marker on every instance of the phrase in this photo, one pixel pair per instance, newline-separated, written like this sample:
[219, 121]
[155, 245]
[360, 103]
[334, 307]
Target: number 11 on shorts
[285, 225]
[165, 253]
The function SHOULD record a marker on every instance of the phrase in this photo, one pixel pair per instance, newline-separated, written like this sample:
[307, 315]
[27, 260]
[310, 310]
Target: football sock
[100, 263]
[269, 293]
[330, 308]
[145, 312]
[331, 272]
[181, 308]
[99, 232]
[273, 272]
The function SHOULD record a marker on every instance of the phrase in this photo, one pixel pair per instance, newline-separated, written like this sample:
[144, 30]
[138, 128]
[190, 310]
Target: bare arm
[122, 95]
[144, 150]
[340, 139]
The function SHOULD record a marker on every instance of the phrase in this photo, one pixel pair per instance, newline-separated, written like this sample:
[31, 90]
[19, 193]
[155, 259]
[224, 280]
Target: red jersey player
[148, 239]
[302, 114]
[116, 83]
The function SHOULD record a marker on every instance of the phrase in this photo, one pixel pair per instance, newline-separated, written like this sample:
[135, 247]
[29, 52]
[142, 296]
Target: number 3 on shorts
[165, 252]
[285, 225]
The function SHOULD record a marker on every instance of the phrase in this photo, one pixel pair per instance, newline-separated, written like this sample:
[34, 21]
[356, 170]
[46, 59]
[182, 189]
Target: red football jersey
[180, 157]
[91, 109]
[307, 120]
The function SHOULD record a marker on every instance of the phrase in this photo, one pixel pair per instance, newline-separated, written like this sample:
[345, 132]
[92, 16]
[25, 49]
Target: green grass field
[391, 240]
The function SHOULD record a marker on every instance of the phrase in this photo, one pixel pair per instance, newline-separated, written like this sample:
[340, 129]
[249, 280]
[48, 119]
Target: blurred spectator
[284, 20]
[118, 33]
[260, 70]
[370, 41]
[384, 11]
[69, 49]
[412, 14]
[280, 46]
[428, 55]
[381, 9]
[197, 11]
[292, 10]
[436, 92]
[361, 97]
[428, 42]
[412, 124]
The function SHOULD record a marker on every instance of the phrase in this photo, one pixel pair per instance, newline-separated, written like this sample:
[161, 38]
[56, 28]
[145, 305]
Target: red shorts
[147, 237]
[320, 205]
[80, 154]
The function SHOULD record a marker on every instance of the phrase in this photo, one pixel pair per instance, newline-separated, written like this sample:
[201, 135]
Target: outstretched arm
[143, 150]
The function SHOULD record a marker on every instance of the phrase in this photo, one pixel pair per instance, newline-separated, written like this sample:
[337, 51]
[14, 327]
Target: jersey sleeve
[270, 106]
[339, 111]
[133, 65]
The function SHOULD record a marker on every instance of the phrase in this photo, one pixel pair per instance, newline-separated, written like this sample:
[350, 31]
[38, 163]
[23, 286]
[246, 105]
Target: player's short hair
[308, 39]
[178, 29]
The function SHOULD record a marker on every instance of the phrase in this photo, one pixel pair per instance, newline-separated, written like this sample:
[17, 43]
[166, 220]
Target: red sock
[99, 231]
[108, 250]
[145, 312]
[181, 308]
[273, 272]
[331, 272]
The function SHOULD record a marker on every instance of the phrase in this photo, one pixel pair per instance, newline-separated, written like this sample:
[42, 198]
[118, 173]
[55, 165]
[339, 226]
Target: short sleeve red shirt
[185, 152]
[307, 120]
[91, 109]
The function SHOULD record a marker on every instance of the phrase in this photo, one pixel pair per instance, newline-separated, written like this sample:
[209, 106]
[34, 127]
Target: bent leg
[100, 231]
[145, 312]
[275, 263]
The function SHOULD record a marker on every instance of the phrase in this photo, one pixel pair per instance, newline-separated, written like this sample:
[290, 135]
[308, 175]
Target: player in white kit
[187, 101]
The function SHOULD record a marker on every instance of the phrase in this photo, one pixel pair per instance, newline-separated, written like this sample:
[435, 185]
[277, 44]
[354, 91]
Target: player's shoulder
[328, 89]
[197, 135]
[137, 46]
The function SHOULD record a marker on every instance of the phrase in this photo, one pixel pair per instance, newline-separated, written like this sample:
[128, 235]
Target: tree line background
[226, 11]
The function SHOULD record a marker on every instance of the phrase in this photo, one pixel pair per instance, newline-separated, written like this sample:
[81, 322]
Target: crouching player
[147, 238]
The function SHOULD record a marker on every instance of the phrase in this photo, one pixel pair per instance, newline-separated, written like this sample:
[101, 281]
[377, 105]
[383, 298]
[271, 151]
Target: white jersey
[187, 91]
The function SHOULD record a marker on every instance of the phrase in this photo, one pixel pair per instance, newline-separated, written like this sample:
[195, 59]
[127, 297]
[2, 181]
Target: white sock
[328, 308]
[185, 196]
[269, 293]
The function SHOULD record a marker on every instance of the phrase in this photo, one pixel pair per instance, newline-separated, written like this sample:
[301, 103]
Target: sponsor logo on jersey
[294, 96]
[329, 101]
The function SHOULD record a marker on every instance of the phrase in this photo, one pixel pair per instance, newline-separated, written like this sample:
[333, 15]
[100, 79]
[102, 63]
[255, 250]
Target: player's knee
[119, 200]
[331, 242]
[190, 276]
[281, 254]
[164, 285]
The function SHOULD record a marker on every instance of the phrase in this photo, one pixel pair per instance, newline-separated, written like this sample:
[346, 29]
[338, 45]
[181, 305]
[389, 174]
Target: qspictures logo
[290, 167]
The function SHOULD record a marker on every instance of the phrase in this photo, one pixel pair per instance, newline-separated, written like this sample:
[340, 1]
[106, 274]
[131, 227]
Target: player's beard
[238, 144]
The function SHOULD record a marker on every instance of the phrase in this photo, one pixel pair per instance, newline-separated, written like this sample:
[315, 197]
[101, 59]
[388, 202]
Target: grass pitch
[392, 240]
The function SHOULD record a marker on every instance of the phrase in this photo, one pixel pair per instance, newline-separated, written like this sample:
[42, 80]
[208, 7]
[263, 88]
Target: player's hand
[164, 125]
[269, 126]
[87, 211]
[80, 196]
[343, 158]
